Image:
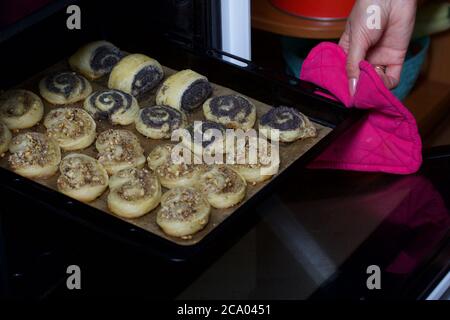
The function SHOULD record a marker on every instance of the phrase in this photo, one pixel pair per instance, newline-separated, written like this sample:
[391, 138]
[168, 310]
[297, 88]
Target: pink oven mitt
[386, 139]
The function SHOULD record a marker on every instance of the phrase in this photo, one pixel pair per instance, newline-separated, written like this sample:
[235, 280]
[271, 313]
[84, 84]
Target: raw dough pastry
[95, 59]
[72, 128]
[119, 149]
[159, 122]
[20, 109]
[292, 124]
[183, 212]
[82, 177]
[136, 74]
[174, 169]
[34, 155]
[184, 90]
[133, 192]
[5, 138]
[233, 111]
[117, 106]
[222, 186]
[64, 87]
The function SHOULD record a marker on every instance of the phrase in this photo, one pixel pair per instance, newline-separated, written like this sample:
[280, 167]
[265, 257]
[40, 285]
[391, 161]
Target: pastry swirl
[133, 192]
[136, 74]
[258, 165]
[20, 109]
[72, 128]
[64, 87]
[222, 186]
[292, 124]
[5, 138]
[95, 59]
[82, 177]
[119, 149]
[173, 169]
[184, 90]
[117, 106]
[34, 155]
[183, 212]
[205, 136]
[233, 111]
[159, 122]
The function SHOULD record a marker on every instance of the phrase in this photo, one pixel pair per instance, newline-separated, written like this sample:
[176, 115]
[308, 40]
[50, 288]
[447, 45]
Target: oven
[180, 34]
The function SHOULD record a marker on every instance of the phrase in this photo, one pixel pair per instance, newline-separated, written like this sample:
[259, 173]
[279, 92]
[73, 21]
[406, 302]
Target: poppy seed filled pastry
[173, 167]
[183, 212]
[114, 105]
[136, 74]
[292, 125]
[233, 111]
[72, 128]
[64, 87]
[133, 192]
[95, 59]
[119, 149]
[34, 155]
[20, 109]
[5, 138]
[82, 177]
[158, 122]
[222, 186]
[205, 137]
[184, 90]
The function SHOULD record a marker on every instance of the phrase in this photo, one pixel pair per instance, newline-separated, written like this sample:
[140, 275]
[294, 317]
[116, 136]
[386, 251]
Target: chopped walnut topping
[140, 184]
[181, 204]
[220, 179]
[30, 149]
[118, 146]
[77, 172]
[68, 123]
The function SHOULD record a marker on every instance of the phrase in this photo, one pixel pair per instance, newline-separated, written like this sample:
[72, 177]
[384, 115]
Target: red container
[316, 9]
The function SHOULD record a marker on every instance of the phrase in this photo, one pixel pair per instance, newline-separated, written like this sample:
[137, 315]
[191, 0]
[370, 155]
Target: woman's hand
[386, 46]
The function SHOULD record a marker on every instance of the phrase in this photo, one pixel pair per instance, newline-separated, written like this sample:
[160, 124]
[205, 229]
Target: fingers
[393, 76]
[356, 53]
[390, 77]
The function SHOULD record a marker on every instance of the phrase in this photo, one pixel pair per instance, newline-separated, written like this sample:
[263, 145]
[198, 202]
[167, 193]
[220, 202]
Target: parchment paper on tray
[288, 152]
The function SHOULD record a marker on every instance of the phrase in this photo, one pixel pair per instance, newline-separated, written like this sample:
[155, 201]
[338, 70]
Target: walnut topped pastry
[64, 87]
[34, 155]
[183, 212]
[257, 164]
[72, 128]
[222, 186]
[119, 149]
[82, 177]
[174, 166]
[134, 192]
[20, 109]
[95, 59]
[5, 138]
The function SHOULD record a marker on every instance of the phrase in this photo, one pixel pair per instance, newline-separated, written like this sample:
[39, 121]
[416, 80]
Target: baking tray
[289, 152]
[266, 86]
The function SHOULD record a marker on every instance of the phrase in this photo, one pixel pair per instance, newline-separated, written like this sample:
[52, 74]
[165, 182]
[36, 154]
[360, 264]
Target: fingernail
[352, 85]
